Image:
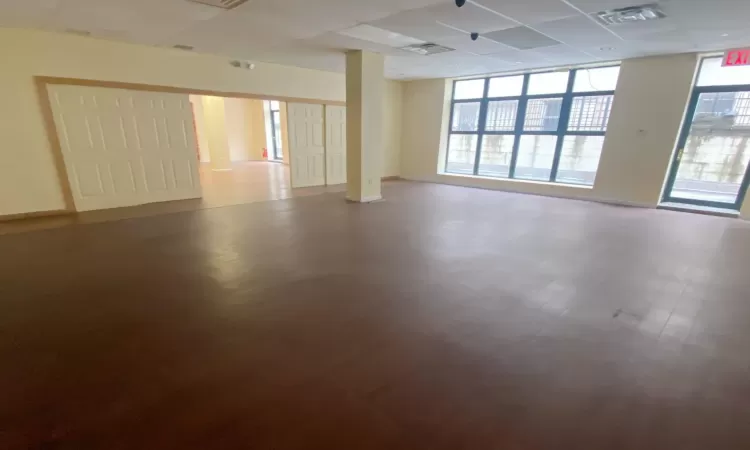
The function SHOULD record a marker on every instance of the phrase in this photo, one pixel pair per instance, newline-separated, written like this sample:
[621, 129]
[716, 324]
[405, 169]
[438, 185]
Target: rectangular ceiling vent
[223, 4]
[428, 48]
[184, 47]
[641, 13]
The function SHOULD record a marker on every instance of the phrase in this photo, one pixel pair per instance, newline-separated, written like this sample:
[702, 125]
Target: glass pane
[542, 114]
[579, 159]
[590, 113]
[461, 151]
[501, 115]
[599, 79]
[716, 153]
[535, 155]
[274, 105]
[497, 150]
[468, 89]
[465, 116]
[506, 86]
[712, 74]
[548, 83]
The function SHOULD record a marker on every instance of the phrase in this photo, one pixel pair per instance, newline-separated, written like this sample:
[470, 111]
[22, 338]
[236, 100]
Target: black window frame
[560, 133]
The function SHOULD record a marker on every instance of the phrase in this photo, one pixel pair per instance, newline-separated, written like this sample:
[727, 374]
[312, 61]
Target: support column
[365, 91]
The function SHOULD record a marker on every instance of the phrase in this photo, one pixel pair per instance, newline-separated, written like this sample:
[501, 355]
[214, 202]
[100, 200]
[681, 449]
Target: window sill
[519, 181]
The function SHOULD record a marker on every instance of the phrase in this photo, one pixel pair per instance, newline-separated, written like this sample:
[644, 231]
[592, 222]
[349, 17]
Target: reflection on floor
[442, 318]
[247, 182]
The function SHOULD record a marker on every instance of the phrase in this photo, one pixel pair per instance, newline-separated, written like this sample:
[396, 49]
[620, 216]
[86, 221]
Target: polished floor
[247, 182]
[441, 318]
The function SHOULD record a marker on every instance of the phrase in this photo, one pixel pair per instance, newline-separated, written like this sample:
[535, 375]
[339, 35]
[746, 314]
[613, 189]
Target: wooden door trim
[42, 82]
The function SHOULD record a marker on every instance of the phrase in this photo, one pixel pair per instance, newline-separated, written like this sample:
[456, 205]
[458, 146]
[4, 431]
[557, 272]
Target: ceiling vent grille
[223, 4]
[641, 13]
[428, 48]
[184, 47]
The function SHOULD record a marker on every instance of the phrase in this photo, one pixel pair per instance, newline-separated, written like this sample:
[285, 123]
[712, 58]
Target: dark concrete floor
[442, 318]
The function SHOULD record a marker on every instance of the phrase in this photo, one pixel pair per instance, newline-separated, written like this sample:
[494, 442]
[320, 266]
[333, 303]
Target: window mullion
[562, 125]
[481, 125]
[520, 117]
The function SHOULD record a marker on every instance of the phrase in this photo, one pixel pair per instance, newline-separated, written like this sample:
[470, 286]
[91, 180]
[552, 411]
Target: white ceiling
[305, 32]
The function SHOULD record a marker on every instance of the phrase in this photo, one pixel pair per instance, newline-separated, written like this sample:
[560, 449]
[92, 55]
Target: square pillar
[365, 92]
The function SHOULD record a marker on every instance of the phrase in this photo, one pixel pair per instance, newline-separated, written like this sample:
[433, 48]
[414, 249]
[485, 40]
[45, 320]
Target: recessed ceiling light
[725, 35]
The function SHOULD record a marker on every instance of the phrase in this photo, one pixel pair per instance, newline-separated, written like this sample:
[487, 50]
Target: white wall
[28, 179]
[650, 101]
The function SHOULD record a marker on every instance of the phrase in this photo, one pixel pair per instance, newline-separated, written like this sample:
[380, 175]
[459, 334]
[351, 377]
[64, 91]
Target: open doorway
[241, 149]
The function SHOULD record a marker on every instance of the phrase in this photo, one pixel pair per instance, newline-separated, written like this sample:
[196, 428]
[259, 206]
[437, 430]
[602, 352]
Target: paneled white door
[335, 144]
[306, 146]
[125, 148]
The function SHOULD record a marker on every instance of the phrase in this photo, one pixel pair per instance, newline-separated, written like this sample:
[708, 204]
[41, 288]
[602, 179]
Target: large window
[543, 126]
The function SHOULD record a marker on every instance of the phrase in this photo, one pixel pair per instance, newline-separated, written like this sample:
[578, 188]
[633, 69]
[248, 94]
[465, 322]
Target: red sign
[737, 57]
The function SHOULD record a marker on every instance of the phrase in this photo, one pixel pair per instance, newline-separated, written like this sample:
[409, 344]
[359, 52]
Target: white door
[125, 148]
[335, 144]
[306, 146]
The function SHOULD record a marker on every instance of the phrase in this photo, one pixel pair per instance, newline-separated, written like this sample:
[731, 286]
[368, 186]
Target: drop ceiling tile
[469, 18]
[521, 38]
[481, 46]
[591, 6]
[530, 11]
[336, 41]
[577, 31]
[416, 24]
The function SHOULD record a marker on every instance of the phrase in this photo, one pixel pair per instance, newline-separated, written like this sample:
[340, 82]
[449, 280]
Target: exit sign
[737, 57]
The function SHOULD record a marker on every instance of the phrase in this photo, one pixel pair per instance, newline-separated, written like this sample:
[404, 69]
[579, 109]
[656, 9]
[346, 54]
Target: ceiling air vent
[184, 47]
[223, 4]
[652, 11]
[428, 48]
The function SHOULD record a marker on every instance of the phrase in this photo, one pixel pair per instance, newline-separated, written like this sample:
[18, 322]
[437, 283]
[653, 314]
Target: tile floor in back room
[441, 318]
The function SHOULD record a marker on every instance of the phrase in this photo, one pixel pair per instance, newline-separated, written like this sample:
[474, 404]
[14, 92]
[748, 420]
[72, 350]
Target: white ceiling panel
[481, 46]
[469, 18]
[417, 24]
[335, 41]
[530, 11]
[577, 30]
[591, 6]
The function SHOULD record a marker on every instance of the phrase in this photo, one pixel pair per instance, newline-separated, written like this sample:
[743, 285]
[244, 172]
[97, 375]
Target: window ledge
[518, 181]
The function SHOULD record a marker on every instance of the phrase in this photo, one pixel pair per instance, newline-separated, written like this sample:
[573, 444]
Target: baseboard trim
[550, 195]
[35, 214]
[390, 178]
[374, 198]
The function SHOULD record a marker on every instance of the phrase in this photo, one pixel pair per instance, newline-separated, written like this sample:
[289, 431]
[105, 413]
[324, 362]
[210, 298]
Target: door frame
[41, 83]
[682, 140]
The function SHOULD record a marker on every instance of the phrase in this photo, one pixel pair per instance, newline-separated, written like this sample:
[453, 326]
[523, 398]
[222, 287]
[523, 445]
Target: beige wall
[256, 129]
[392, 128]
[28, 180]
[238, 129]
[214, 112]
[650, 101]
